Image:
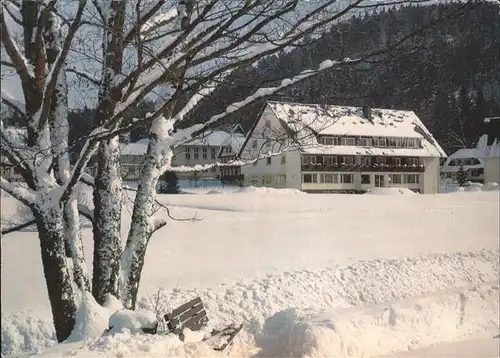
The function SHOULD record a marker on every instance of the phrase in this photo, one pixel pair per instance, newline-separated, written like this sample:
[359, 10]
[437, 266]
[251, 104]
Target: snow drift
[383, 329]
[391, 191]
[266, 190]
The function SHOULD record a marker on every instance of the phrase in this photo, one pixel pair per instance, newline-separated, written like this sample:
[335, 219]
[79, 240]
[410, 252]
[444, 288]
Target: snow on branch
[16, 105]
[185, 134]
[21, 193]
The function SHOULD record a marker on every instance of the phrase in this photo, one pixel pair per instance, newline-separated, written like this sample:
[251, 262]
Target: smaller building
[469, 161]
[230, 170]
[201, 151]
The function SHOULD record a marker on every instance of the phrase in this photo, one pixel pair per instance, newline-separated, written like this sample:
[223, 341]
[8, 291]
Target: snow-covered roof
[211, 138]
[236, 141]
[464, 153]
[350, 121]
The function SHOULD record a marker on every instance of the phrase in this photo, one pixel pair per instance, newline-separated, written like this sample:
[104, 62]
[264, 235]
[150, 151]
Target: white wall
[262, 173]
[492, 170]
[180, 160]
[430, 182]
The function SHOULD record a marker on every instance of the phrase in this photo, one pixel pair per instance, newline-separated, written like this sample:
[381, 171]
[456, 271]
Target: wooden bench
[192, 315]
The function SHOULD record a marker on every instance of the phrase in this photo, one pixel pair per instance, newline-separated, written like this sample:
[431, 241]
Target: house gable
[265, 136]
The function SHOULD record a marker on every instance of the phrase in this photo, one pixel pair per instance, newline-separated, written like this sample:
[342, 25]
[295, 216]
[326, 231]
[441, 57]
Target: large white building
[338, 149]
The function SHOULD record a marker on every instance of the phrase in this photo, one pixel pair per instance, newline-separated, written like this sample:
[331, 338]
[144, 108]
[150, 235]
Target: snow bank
[265, 190]
[131, 321]
[390, 191]
[91, 320]
[128, 345]
[215, 192]
[253, 302]
[490, 186]
[383, 329]
[26, 331]
[473, 187]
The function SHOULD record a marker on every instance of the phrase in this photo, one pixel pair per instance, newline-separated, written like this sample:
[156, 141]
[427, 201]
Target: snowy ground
[308, 275]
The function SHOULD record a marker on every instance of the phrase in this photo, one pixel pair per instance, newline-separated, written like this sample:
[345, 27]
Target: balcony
[374, 167]
[232, 178]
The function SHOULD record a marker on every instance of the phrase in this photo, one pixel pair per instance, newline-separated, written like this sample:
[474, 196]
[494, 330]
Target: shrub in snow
[131, 321]
[461, 176]
[168, 183]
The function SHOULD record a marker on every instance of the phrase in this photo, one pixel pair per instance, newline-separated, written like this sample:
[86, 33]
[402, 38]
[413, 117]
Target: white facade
[342, 155]
[492, 170]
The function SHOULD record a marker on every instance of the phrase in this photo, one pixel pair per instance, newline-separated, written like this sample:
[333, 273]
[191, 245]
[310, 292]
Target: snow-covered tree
[174, 52]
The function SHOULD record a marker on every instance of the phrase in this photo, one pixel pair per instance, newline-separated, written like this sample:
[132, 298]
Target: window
[348, 160]
[396, 178]
[397, 161]
[398, 142]
[326, 140]
[367, 161]
[414, 161]
[365, 179]
[309, 178]
[283, 160]
[205, 153]
[365, 142]
[347, 141]
[308, 159]
[347, 178]
[412, 178]
[195, 153]
[268, 179]
[228, 149]
[326, 178]
[281, 180]
[268, 161]
[212, 153]
[188, 153]
[380, 160]
[380, 142]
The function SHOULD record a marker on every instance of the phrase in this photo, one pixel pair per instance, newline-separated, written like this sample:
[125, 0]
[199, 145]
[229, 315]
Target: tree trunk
[58, 276]
[74, 245]
[142, 225]
[107, 221]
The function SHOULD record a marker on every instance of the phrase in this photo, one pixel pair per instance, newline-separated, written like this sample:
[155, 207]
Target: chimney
[367, 112]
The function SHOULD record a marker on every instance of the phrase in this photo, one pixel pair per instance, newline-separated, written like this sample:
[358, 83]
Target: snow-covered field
[308, 275]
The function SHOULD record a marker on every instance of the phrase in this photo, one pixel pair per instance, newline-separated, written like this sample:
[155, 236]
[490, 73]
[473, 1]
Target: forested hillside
[448, 74]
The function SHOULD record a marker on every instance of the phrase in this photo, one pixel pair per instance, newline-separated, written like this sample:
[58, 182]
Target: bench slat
[183, 318]
[185, 307]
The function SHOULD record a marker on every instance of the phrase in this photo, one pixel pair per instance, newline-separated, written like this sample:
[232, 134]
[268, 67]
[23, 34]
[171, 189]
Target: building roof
[309, 120]
[210, 138]
[236, 141]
